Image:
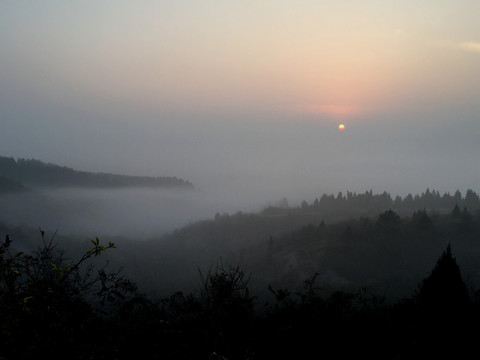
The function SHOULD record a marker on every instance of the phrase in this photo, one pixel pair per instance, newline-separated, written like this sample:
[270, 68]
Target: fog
[243, 166]
[134, 213]
[243, 100]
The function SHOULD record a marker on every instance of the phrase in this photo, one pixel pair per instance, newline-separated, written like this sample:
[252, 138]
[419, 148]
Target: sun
[341, 127]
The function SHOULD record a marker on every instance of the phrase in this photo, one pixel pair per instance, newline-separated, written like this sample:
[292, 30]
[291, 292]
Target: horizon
[376, 192]
[247, 98]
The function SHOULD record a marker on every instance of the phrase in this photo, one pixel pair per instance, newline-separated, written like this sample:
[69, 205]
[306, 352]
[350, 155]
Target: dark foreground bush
[53, 307]
[56, 308]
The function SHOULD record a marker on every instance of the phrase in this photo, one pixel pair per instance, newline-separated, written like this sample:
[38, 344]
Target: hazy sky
[248, 94]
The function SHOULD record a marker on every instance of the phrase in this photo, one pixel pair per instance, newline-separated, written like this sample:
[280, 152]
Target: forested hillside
[387, 250]
[355, 240]
[38, 173]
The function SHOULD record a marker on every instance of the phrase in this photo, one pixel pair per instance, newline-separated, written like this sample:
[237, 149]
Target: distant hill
[284, 245]
[35, 172]
[368, 245]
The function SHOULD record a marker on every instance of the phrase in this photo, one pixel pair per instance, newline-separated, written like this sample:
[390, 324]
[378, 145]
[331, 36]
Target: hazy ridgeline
[386, 254]
[40, 174]
[165, 237]
[166, 234]
[34, 193]
[79, 202]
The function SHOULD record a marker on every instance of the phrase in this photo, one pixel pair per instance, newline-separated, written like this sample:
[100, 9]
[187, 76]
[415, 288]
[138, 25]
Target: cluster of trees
[53, 308]
[35, 172]
[368, 202]
[387, 252]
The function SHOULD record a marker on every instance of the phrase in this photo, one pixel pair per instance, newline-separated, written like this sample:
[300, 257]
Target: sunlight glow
[337, 111]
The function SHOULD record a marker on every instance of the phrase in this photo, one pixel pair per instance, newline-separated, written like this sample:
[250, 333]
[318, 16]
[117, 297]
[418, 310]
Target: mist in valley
[287, 142]
[247, 167]
[132, 212]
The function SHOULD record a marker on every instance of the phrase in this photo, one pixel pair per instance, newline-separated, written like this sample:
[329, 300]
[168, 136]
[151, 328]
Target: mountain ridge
[38, 173]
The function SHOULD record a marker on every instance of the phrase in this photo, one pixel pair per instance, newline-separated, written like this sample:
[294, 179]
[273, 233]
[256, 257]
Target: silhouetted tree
[444, 304]
[444, 290]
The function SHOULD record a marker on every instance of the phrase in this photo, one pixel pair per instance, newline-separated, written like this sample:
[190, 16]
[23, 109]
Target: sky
[246, 96]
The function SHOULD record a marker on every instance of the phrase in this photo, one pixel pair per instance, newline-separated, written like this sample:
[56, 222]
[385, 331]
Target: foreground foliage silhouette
[49, 305]
[55, 308]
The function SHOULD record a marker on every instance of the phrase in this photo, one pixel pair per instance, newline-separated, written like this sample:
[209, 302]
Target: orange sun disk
[341, 127]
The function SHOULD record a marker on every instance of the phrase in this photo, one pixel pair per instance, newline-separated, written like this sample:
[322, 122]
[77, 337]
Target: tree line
[36, 172]
[369, 202]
